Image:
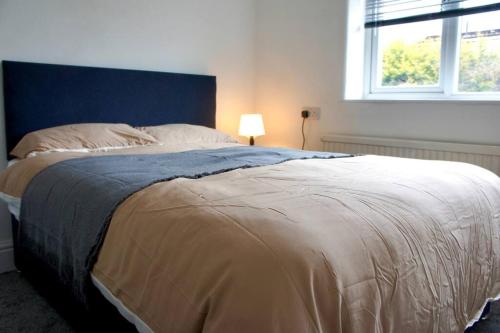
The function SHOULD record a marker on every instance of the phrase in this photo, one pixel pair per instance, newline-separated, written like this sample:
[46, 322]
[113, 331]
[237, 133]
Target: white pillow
[80, 138]
[178, 134]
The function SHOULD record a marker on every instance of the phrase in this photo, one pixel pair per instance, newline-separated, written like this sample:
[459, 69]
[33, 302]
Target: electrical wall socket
[314, 112]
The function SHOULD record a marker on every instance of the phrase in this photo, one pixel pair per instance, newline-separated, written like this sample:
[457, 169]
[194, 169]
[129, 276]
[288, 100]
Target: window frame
[447, 88]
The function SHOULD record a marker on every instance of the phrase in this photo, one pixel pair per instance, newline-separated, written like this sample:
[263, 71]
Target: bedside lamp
[251, 125]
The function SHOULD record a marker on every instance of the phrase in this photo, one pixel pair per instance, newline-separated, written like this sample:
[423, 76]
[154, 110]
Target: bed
[274, 241]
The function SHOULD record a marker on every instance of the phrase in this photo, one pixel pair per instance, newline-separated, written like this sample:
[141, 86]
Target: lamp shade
[251, 125]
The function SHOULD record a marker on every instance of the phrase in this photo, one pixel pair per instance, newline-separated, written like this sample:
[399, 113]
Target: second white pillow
[178, 134]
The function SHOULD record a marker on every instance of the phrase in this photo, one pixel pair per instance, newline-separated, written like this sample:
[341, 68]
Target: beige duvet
[363, 244]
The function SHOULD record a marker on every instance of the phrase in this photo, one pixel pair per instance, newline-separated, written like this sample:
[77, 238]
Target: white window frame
[447, 88]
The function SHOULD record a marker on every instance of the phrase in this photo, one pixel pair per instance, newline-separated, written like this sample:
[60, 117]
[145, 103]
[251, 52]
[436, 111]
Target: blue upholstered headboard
[40, 95]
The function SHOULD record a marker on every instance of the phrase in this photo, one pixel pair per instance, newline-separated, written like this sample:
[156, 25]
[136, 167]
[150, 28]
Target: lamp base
[252, 141]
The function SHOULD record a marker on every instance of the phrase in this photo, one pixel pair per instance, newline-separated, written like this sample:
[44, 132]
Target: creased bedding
[67, 207]
[363, 244]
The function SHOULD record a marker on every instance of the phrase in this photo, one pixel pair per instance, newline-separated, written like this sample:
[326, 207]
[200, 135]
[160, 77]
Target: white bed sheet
[141, 326]
[13, 204]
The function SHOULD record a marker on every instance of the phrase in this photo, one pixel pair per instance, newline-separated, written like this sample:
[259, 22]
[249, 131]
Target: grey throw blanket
[67, 207]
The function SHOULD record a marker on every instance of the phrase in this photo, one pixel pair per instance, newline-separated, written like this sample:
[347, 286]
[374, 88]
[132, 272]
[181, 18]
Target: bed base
[99, 316]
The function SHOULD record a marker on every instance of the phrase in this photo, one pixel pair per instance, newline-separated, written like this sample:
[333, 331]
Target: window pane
[480, 53]
[409, 55]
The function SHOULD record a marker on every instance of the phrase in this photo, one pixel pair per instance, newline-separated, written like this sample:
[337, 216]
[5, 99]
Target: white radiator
[485, 156]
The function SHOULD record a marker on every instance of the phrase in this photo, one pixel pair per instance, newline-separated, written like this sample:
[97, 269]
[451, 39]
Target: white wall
[190, 36]
[300, 62]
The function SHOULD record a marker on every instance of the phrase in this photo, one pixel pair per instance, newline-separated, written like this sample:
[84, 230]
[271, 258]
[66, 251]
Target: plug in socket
[314, 112]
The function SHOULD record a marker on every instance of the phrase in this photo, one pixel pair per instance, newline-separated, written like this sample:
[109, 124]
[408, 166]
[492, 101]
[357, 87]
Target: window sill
[384, 98]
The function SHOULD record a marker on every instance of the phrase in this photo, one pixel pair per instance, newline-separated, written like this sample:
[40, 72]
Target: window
[433, 49]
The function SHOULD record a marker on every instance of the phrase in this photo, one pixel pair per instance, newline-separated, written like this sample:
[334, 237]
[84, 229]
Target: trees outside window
[444, 57]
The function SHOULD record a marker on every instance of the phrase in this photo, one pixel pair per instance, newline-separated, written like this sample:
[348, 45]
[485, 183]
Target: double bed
[220, 237]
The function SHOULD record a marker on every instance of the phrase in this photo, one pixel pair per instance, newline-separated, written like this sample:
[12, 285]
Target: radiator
[486, 156]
